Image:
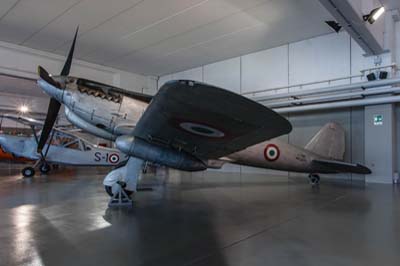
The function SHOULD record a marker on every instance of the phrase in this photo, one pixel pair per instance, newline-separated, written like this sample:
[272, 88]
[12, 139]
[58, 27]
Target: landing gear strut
[314, 179]
[121, 182]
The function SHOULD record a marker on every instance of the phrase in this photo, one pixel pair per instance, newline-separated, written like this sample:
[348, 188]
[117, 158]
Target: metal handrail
[253, 93]
[299, 93]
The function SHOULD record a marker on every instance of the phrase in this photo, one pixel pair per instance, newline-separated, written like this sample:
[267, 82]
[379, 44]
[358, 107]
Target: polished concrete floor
[63, 219]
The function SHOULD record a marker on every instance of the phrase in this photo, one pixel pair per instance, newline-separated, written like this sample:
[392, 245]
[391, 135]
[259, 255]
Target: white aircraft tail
[329, 142]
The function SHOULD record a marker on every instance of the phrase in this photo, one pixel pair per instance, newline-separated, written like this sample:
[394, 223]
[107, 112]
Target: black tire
[28, 171]
[108, 189]
[314, 179]
[44, 168]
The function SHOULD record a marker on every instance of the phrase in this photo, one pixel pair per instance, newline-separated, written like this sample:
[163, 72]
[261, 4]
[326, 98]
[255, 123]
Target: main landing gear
[314, 179]
[121, 182]
[29, 171]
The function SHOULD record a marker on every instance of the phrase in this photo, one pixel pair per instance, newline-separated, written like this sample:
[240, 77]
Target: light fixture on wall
[334, 25]
[371, 76]
[374, 15]
[383, 74]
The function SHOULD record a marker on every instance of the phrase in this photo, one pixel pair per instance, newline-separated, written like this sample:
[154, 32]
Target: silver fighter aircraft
[64, 148]
[187, 125]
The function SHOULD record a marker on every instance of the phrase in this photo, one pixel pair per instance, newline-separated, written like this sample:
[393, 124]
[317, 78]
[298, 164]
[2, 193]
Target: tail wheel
[314, 179]
[28, 172]
[44, 168]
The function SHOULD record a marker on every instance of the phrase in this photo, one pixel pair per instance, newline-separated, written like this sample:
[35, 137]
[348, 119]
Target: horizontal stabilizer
[342, 167]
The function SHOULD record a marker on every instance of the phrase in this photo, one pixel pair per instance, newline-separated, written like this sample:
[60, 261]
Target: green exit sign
[378, 120]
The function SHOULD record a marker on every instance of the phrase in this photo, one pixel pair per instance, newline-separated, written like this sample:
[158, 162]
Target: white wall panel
[265, 69]
[322, 58]
[225, 74]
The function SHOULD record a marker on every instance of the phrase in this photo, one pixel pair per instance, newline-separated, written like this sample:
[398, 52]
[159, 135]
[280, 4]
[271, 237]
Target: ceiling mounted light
[334, 25]
[23, 109]
[374, 15]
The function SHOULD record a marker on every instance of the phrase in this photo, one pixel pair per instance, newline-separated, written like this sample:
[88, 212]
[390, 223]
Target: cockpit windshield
[65, 140]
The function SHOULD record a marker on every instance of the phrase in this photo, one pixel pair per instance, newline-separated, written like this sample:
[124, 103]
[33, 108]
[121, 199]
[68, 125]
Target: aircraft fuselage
[103, 111]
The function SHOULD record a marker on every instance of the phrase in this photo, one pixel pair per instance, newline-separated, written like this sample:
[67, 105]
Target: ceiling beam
[352, 22]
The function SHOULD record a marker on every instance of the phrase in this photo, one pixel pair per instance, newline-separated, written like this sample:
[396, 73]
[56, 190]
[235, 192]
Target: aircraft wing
[207, 121]
[339, 167]
[23, 120]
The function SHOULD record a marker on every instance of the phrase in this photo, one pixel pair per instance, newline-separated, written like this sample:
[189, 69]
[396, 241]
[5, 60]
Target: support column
[380, 142]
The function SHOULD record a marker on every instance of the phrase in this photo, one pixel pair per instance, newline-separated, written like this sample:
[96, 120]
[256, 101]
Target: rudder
[329, 142]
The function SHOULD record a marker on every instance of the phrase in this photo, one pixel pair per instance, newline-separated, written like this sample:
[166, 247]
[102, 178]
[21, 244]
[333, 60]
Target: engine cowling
[82, 124]
[158, 154]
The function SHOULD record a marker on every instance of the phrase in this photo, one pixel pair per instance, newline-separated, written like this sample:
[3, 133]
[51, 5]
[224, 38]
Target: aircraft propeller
[54, 105]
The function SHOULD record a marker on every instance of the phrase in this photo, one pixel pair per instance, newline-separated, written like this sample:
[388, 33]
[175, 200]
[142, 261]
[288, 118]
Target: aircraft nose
[2, 140]
[50, 89]
[11, 144]
[4, 143]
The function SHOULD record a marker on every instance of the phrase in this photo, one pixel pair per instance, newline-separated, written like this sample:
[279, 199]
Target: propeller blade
[43, 74]
[54, 108]
[68, 62]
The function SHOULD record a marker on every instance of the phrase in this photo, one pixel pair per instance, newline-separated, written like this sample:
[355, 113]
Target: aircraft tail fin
[329, 142]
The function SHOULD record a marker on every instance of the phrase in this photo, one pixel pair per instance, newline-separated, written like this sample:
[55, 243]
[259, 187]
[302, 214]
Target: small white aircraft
[64, 148]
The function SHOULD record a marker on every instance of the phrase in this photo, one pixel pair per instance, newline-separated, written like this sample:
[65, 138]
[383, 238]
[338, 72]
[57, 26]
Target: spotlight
[374, 15]
[371, 76]
[23, 109]
[334, 25]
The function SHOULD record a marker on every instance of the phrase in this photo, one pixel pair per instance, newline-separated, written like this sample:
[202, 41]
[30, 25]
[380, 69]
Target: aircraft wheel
[109, 191]
[28, 171]
[44, 168]
[314, 179]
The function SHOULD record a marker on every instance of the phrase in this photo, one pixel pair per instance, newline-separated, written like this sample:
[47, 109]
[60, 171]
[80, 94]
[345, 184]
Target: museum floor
[63, 219]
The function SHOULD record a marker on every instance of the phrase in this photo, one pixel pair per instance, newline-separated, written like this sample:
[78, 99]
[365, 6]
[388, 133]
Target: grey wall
[331, 56]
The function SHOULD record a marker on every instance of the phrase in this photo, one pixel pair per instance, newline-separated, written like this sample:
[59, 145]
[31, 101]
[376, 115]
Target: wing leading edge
[206, 121]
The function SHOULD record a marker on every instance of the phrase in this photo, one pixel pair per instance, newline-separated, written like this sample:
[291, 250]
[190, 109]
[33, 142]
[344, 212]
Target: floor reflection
[63, 219]
[23, 240]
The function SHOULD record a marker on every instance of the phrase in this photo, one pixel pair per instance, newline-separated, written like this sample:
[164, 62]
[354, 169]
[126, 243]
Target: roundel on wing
[114, 158]
[271, 152]
[201, 130]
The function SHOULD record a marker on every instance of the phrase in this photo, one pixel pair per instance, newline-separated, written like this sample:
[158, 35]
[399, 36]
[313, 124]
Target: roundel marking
[114, 158]
[271, 152]
[201, 130]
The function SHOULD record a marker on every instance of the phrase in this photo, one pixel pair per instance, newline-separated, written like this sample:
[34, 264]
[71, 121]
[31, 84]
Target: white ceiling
[156, 37]
[21, 86]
